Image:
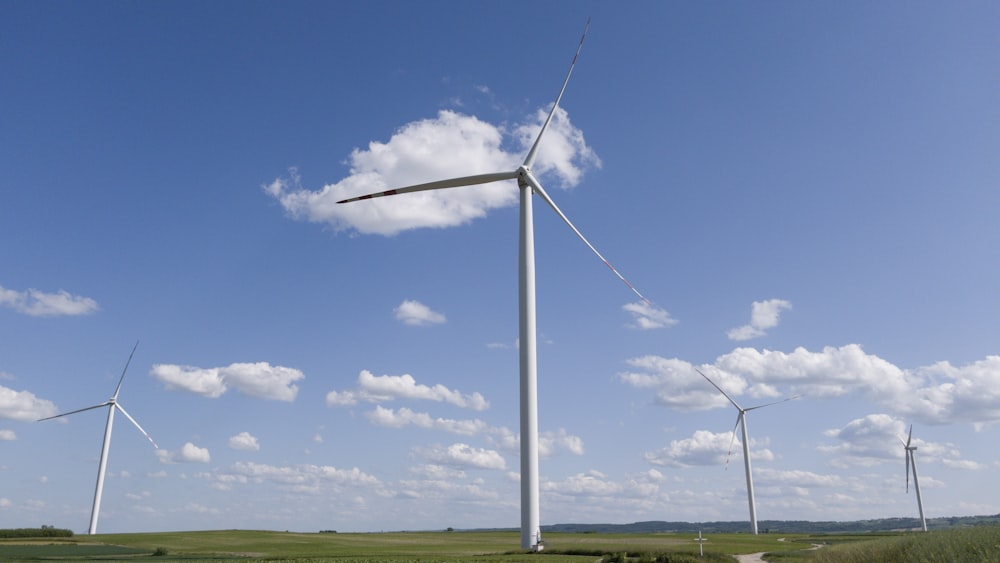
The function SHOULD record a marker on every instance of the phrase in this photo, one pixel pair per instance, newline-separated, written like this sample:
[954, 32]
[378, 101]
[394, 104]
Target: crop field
[972, 544]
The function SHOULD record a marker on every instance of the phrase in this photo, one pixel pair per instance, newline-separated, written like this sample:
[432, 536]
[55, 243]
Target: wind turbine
[528, 185]
[741, 422]
[112, 405]
[916, 484]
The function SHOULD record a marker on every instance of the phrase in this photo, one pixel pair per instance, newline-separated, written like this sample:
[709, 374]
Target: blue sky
[806, 192]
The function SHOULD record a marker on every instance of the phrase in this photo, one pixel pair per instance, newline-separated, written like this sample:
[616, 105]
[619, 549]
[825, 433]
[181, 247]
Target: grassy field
[981, 544]
[383, 547]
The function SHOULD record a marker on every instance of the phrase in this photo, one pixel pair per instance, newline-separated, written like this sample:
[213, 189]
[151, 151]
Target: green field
[381, 547]
[973, 544]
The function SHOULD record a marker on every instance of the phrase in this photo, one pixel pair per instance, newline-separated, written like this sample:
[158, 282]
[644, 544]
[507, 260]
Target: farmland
[969, 544]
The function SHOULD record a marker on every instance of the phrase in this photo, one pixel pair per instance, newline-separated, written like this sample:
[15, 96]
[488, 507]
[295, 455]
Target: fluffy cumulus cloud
[244, 441]
[390, 418]
[879, 438]
[8, 435]
[676, 384]
[937, 394]
[705, 448]
[261, 380]
[189, 453]
[646, 316]
[463, 456]
[415, 313]
[378, 389]
[831, 372]
[448, 146]
[947, 393]
[24, 405]
[41, 304]
[763, 316]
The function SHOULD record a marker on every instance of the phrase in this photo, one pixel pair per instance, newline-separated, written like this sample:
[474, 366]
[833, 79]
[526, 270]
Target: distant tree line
[43, 532]
[777, 526]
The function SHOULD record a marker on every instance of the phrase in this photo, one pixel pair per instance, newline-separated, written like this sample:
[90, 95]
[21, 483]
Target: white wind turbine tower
[741, 422]
[528, 185]
[112, 405]
[916, 484]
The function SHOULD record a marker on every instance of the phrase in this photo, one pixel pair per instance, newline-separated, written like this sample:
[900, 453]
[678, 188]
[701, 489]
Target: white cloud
[962, 464]
[8, 435]
[795, 478]
[591, 483]
[550, 442]
[463, 455]
[878, 438]
[264, 381]
[448, 146]
[948, 393]
[40, 304]
[382, 416]
[702, 448]
[831, 372]
[24, 405]
[378, 389]
[647, 317]
[437, 472]
[415, 313]
[189, 453]
[244, 441]
[260, 379]
[677, 385]
[763, 316]
[306, 477]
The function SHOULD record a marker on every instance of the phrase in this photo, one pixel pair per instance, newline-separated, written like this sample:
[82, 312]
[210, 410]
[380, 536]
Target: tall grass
[963, 545]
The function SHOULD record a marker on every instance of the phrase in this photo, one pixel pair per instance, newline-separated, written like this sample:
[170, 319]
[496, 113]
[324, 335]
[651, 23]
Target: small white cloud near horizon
[189, 453]
[7, 435]
[260, 380]
[37, 303]
[763, 316]
[648, 317]
[415, 313]
[460, 145]
[244, 441]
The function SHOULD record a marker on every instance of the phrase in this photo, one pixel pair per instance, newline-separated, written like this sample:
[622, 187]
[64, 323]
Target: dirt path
[758, 557]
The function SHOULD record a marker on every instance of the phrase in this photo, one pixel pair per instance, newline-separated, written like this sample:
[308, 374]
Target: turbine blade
[104, 404]
[441, 184]
[122, 378]
[732, 441]
[785, 400]
[538, 189]
[530, 159]
[735, 404]
[128, 416]
[909, 437]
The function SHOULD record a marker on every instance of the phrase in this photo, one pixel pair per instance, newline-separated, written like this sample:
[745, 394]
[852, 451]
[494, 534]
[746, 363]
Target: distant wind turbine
[112, 405]
[916, 484]
[528, 185]
[741, 422]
